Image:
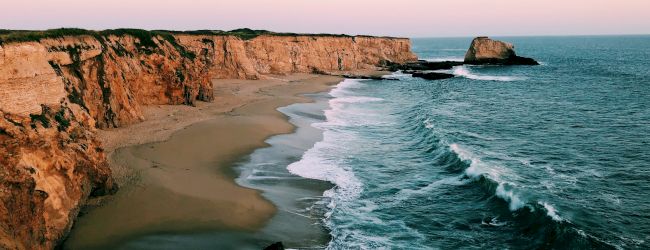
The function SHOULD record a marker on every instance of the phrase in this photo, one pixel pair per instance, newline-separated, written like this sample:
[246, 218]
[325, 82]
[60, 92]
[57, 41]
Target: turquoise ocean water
[498, 157]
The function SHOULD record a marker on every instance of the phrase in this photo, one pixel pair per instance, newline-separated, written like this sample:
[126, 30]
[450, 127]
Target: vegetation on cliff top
[145, 36]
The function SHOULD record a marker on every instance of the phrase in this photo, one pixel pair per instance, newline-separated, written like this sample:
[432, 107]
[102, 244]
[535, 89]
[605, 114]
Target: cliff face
[112, 76]
[54, 93]
[51, 163]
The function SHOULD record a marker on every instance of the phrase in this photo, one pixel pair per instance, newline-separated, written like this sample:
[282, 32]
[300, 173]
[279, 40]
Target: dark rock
[422, 65]
[275, 246]
[432, 75]
[519, 60]
[371, 77]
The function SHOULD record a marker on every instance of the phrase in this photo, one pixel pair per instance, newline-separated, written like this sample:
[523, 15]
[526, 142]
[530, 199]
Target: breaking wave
[464, 71]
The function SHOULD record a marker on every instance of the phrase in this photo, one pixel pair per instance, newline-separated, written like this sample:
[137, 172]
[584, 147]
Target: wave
[549, 227]
[322, 161]
[551, 211]
[542, 215]
[463, 71]
[505, 190]
[315, 163]
[339, 114]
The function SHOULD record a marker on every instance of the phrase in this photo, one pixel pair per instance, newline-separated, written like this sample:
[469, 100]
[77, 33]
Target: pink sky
[412, 18]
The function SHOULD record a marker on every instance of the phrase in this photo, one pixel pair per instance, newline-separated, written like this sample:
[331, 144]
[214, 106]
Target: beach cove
[175, 171]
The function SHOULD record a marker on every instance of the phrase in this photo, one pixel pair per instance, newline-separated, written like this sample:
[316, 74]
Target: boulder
[484, 50]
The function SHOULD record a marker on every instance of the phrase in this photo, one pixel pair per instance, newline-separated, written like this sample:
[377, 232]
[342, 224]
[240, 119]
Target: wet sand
[175, 171]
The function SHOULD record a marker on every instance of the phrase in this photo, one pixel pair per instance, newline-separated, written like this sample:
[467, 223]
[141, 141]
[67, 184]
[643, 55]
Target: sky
[407, 18]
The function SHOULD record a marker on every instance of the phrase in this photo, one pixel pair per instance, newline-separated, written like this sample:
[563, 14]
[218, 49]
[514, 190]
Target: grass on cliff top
[8, 36]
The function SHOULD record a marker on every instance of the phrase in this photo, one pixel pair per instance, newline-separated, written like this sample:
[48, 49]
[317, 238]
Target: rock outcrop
[432, 75]
[275, 246]
[56, 90]
[422, 65]
[484, 50]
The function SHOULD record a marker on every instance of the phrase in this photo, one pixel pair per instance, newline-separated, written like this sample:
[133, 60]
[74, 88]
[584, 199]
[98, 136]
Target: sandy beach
[174, 169]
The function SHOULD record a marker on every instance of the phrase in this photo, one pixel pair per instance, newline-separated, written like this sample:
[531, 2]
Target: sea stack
[484, 50]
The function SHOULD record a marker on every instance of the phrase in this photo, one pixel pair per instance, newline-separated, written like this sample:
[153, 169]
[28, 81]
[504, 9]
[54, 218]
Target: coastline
[175, 167]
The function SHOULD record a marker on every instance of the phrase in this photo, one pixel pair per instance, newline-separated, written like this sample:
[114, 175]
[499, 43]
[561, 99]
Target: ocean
[555, 156]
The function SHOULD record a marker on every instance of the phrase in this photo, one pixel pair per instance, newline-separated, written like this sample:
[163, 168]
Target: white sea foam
[551, 211]
[495, 222]
[355, 99]
[428, 124]
[320, 162]
[316, 165]
[463, 71]
[451, 181]
[346, 87]
[339, 112]
[477, 167]
[506, 192]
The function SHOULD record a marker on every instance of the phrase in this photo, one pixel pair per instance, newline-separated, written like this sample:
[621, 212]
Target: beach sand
[175, 171]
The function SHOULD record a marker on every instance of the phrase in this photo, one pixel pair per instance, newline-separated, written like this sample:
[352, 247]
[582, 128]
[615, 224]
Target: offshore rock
[484, 50]
[421, 65]
[275, 246]
[432, 75]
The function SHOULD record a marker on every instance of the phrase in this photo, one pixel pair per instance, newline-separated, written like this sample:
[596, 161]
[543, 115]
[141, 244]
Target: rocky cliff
[50, 164]
[57, 88]
[111, 76]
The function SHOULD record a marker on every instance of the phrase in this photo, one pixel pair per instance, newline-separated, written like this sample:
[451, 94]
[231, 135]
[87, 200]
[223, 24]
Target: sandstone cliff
[484, 50]
[55, 90]
[50, 164]
[110, 76]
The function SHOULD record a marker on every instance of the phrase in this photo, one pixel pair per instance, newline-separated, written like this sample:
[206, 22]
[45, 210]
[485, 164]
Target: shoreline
[300, 201]
[168, 177]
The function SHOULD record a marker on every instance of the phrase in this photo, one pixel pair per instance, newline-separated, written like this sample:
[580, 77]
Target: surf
[464, 71]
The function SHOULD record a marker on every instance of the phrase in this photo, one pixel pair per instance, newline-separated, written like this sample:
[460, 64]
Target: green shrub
[7, 36]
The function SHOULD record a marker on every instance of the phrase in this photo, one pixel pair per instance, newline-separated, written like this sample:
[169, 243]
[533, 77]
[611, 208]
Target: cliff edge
[58, 86]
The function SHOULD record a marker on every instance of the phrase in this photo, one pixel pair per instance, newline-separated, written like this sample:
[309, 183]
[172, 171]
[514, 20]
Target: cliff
[484, 50]
[57, 87]
[110, 75]
[51, 164]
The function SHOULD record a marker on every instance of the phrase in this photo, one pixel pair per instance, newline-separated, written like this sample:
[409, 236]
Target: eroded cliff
[55, 90]
[111, 76]
[51, 163]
